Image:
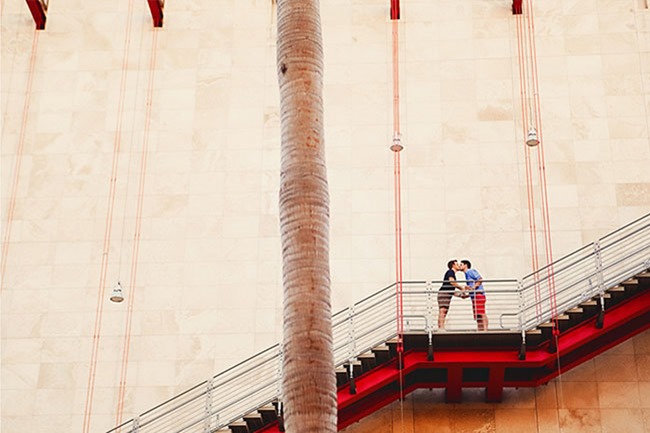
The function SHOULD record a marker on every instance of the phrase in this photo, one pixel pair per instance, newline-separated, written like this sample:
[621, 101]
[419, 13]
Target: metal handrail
[520, 305]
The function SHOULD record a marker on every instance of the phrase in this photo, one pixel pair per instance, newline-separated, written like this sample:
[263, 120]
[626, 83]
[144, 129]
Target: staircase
[547, 322]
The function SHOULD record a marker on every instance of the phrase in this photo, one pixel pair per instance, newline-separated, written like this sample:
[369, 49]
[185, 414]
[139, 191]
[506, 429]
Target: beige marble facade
[151, 157]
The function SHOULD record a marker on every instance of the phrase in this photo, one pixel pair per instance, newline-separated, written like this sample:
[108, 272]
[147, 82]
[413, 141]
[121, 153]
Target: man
[446, 291]
[477, 293]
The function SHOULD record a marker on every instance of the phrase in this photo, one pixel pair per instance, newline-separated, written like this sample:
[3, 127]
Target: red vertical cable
[107, 230]
[11, 207]
[542, 164]
[523, 86]
[398, 252]
[396, 148]
[396, 117]
[136, 234]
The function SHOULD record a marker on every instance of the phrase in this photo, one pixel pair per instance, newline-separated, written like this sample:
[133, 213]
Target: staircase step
[576, 315]
[356, 368]
[342, 376]
[563, 323]
[590, 308]
[618, 293]
[644, 280]
[382, 354]
[238, 427]
[268, 414]
[606, 297]
[413, 339]
[534, 337]
[631, 286]
[253, 421]
[368, 361]
[561, 318]
[392, 346]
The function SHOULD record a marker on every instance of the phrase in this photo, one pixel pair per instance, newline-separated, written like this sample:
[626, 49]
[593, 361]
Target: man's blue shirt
[472, 275]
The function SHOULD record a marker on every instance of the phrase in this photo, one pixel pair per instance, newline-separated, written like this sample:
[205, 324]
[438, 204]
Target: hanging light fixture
[397, 143]
[117, 296]
[531, 137]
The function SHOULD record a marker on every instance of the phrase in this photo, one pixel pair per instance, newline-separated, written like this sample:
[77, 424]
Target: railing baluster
[429, 318]
[600, 321]
[352, 352]
[280, 368]
[208, 407]
[351, 333]
[522, 318]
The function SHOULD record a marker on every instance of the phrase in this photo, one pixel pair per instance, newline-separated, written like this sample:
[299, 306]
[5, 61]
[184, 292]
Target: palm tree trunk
[308, 384]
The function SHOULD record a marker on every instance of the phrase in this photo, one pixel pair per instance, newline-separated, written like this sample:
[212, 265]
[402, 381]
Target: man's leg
[479, 312]
[444, 299]
[442, 315]
[481, 321]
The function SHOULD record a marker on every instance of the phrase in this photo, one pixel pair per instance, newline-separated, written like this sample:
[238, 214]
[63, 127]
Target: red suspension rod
[156, 7]
[38, 8]
[394, 9]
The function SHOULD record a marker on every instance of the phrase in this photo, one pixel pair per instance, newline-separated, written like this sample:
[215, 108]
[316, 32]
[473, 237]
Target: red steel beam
[494, 389]
[38, 8]
[156, 7]
[394, 9]
[517, 8]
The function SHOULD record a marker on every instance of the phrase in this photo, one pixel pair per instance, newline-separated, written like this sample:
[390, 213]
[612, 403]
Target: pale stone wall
[609, 393]
[190, 227]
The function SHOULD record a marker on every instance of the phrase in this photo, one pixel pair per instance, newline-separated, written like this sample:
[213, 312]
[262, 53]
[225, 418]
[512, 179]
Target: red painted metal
[454, 386]
[500, 367]
[494, 389]
[38, 8]
[394, 9]
[156, 7]
[517, 8]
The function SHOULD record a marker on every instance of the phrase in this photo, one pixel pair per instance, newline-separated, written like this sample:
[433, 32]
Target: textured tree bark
[308, 384]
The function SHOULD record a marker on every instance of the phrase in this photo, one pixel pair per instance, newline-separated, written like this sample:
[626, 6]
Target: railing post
[136, 424]
[429, 318]
[280, 406]
[522, 319]
[207, 425]
[351, 349]
[278, 370]
[600, 321]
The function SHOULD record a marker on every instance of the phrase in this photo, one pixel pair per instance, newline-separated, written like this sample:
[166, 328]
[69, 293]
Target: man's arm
[476, 283]
[458, 286]
[454, 283]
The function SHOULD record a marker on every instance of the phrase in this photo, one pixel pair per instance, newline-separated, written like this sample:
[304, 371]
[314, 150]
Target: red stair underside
[492, 369]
